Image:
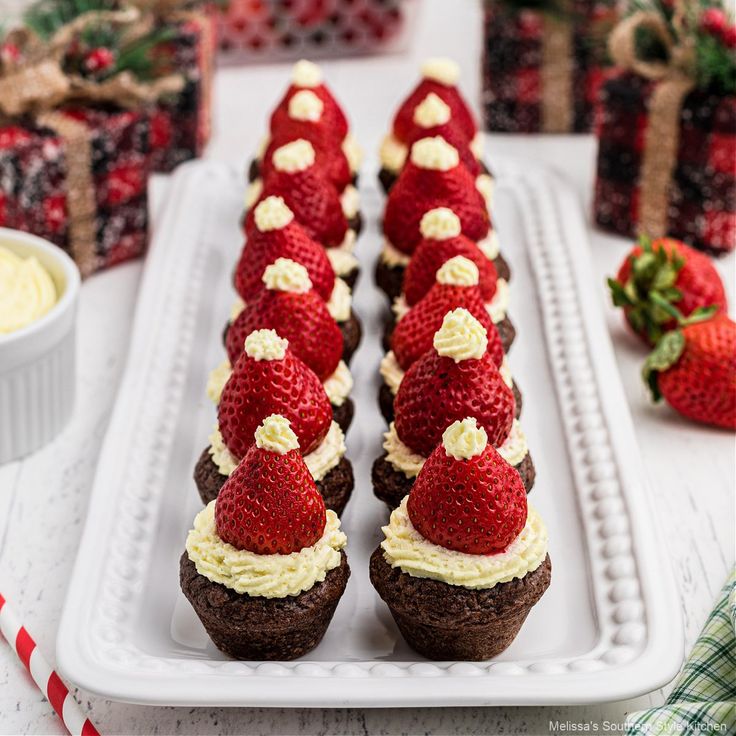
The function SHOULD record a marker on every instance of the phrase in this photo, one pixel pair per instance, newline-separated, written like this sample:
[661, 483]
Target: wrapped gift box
[699, 206]
[180, 127]
[78, 177]
[541, 71]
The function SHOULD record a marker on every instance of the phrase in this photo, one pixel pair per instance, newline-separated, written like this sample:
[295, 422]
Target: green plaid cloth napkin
[703, 700]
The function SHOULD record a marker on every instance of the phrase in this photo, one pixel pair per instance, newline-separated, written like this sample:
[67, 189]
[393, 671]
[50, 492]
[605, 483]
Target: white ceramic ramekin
[38, 362]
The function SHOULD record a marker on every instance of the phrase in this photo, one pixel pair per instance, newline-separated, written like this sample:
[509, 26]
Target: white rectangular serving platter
[609, 626]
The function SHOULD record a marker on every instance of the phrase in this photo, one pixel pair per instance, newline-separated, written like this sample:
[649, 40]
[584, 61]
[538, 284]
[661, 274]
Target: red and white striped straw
[49, 683]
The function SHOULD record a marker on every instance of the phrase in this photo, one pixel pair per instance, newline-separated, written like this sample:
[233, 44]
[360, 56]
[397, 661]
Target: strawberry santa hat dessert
[464, 557]
[307, 85]
[434, 107]
[456, 285]
[456, 378]
[265, 566]
[289, 305]
[441, 241]
[276, 234]
[315, 203]
[269, 379]
[434, 177]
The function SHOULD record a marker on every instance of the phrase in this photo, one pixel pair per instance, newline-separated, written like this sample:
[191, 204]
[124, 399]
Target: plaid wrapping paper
[702, 192]
[513, 68]
[34, 183]
[180, 128]
[704, 697]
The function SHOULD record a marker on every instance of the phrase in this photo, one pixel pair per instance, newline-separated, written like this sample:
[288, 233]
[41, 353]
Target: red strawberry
[263, 247]
[302, 319]
[438, 390]
[429, 256]
[329, 155]
[308, 76]
[661, 274]
[270, 504]
[281, 385]
[418, 190]
[477, 505]
[448, 93]
[414, 333]
[311, 197]
[694, 369]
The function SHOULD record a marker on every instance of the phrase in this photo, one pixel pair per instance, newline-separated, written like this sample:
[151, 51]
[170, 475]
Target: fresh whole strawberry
[415, 331]
[694, 369]
[418, 190]
[436, 391]
[258, 388]
[660, 275]
[270, 504]
[476, 506]
[303, 319]
[312, 198]
[291, 241]
[429, 256]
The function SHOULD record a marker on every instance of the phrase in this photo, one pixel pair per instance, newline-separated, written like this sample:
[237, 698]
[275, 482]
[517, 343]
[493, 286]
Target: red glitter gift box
[78, 177]
[541, 70]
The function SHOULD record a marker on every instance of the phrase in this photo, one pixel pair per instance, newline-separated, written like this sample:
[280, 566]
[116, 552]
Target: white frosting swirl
[391, 371]
[431, 111]
[435, 154]
[485, 185]
[341, 257]
[237, 307]
[340, 303]
[339, 385]
[252, 193]
[461, 337]
[404, 547]
[287, 275]
[513, 450]
[265, 345]
[490, 245]
[267, 576]
[392, 256]
[27, 291]
[306, 74]
[272, 214]
[400, 308]
[458, 271]
[293, 157]
[217, 379]
[276, 435]
[350, 201]
[440, 223]
[392, 153]
[306, 106]
[442, 70]
[499, 304]
[353, 152]
[464, 439]
[477, 145]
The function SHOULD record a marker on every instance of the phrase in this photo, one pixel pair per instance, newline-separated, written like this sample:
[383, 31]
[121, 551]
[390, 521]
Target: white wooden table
[43, 499]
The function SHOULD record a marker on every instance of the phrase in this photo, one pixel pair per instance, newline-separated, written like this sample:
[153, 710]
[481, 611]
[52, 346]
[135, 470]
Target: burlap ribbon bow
[38, 86]
[675, 79]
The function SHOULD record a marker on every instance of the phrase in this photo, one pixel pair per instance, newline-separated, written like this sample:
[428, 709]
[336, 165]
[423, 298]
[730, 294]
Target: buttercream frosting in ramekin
[340, 303]
[350, 201]
[404, 547]
[267, 576]
[320, 461]
[392, 256]
[392, 373]
[513, 450]
[353, 152]
[27, 291]
[337, 386]
[392, 153]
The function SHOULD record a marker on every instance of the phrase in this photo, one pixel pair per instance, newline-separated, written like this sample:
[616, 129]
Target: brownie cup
[387, 178]
[257, 628]
[506, 331]
[449, 622]
[391, 485]
[335, 488]
[386, 402]
[352, 331]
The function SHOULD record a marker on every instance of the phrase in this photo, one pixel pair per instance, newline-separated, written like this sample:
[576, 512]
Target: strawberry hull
[701, 194]
[39, 167]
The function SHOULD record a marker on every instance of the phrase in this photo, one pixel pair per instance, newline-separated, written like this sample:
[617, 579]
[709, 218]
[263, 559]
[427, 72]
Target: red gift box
[77, 176]
[541, 71]
[696, 200]
[181, 126]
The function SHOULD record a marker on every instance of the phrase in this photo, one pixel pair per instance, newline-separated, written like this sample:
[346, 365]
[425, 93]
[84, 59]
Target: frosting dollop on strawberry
[467, 497]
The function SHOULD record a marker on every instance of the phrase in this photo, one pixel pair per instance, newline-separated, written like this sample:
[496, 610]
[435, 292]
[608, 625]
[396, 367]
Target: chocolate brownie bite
[389, 278]
[461, 578]
[264, 566]
[352, 331]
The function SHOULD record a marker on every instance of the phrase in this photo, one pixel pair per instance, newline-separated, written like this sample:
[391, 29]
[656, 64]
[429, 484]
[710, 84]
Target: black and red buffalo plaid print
[512, 65]
[702, 193]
